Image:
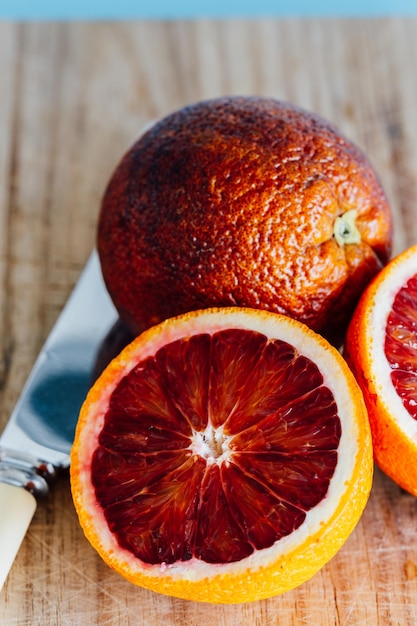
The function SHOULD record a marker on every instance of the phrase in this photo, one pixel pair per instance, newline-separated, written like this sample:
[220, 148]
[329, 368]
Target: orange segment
[223, 456]
[401, 344]
[381, 347]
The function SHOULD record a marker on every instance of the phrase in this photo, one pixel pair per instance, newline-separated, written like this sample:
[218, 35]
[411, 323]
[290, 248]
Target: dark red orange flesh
[401, 344]
[165, 502]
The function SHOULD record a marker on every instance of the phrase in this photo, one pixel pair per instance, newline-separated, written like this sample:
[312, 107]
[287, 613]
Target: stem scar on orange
[224, 456]
[243, 201]
[381, 348]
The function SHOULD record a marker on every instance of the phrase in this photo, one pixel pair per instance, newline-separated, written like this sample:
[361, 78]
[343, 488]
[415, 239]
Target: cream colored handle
[17, 507]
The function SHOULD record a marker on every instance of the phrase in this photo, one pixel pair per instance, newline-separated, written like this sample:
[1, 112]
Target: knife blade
[37, 439]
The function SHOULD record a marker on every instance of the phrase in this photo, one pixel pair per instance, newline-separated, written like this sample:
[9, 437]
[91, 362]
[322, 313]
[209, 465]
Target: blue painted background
[190, 9]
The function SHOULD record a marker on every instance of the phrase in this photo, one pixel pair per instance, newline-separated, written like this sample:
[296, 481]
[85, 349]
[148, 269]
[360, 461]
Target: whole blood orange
[381, 347]
[242, 201]
[223, 456]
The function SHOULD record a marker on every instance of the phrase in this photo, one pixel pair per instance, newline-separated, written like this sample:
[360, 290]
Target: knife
[38, 436]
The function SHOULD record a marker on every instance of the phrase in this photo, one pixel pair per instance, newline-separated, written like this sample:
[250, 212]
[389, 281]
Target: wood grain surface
[73, 97]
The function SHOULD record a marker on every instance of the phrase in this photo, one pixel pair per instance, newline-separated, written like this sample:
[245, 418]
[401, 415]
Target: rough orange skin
[232, 201]
[394, 452]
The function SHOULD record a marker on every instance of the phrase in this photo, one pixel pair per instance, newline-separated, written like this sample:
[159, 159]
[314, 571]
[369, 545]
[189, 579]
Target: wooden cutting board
[73, 97]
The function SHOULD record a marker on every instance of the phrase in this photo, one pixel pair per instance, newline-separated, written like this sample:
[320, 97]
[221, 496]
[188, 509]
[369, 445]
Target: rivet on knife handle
[23, 470]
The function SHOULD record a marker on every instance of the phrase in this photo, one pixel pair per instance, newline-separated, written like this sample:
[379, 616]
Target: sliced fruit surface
[381, 347]
[223, 456]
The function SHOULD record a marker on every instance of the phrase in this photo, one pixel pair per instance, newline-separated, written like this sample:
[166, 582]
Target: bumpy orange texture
[236, 201]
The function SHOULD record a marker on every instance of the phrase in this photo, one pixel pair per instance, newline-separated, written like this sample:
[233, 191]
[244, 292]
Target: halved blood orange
[223, 456]
[381, 347]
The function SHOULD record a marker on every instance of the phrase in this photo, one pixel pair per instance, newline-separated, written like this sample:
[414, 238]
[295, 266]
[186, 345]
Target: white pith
[213, 446]
[381, 370]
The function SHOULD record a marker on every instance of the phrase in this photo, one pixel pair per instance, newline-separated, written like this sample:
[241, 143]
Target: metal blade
[38, 437]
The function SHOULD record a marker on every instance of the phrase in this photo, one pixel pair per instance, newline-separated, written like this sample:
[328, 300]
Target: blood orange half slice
[381, 347]
[223, 456]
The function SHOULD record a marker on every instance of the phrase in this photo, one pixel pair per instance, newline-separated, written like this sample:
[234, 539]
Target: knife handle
[17, 507]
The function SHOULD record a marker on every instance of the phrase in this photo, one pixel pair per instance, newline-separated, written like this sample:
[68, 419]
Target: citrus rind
[394, 431]
[288, 562]
[243, 201]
